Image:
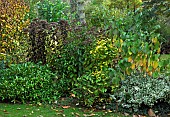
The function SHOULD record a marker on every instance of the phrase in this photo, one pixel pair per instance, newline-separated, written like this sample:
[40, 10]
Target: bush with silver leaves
[139, 88]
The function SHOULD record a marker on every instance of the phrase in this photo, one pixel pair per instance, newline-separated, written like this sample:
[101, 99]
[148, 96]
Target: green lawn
[24, 110]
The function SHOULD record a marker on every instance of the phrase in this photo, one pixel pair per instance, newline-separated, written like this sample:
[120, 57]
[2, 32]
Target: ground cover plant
[46, 53]
[139, 89]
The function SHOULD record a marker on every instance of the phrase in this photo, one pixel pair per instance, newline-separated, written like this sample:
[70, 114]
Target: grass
[18, 110]
[25, 110]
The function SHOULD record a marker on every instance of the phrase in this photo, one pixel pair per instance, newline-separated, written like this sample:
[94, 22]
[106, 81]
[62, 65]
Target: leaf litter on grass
[63, 108]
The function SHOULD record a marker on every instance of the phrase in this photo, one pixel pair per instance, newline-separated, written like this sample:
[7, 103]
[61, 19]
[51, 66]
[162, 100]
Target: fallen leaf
[109, 111]
[126, 114]
[72, 95]
[77, 114]
[85, 115]
[40, 116]
[39, 104]
[135, 116]
[151, 113]
[65, 107]
[5, 110]
[141, 116]
[56, 102]
[63, 99]
[61, 111]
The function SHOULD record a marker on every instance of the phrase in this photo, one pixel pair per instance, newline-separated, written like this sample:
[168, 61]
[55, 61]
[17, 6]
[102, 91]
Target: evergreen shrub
[28, 82]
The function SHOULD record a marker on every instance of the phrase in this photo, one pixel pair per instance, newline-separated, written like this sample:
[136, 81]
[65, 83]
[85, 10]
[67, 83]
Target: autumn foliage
[48, 54]
[12, 22]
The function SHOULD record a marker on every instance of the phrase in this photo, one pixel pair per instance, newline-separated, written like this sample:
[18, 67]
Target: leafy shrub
[140, 89]
[138, 42]
[2, 65]
[99, 15]
[69, 65]
[45, 40]
[159, 9]
[115, 52]
[138, 38]
[50, 10]
[99, 74]
[32, 14]
[99, 12]
[27, 82]
[12, 40]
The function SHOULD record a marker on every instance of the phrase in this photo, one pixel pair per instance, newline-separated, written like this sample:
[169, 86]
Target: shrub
[138, 42]
[69, 65]
[32, 14]
[12, 41]
[159, 9]
[99, 76]
[50, 10]
[137, 37]
[2, 65]
[115, 52]
[101, 12]
[27, 82]
[139, 89]
[45, 40]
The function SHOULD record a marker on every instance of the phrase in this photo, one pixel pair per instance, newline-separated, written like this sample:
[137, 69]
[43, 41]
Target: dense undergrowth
[94, 62]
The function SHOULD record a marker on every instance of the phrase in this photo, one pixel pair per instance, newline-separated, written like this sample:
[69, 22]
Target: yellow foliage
[154, 40]
[133, 66]
[159, 50]
[150, 73]
[121, 41]
[127, 71]
[12, 13]
[144, 60]
[130, 59]
[155, 64]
